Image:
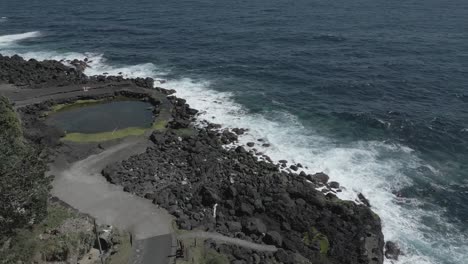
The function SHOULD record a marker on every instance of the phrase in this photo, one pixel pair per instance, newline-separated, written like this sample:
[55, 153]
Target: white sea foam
[7, 40]
[373, 168]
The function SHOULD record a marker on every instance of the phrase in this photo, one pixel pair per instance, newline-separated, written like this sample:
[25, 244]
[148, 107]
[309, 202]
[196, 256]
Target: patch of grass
[160, 125]
[86, 102]
[185, 132]
[213, 257]
[75, 104]
[197, 253]
[104, 136]
[117, 134]
[313, 236]
[23, 247]
[124, 250]
[37, 243]
[56, 215]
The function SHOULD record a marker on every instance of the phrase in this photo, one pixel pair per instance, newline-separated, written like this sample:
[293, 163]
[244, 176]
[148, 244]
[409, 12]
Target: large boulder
[209, 196]
[254, 226]
[273, 238]
[392, 250]
[234, 226]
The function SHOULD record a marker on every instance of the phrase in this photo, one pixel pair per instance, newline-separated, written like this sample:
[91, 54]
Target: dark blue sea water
[373, 92]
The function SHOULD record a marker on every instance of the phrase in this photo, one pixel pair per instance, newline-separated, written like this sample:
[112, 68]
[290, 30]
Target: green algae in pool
[109, 116]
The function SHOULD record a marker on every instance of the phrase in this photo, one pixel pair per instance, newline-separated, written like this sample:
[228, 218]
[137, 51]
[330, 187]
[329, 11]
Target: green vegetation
[83, 103]
[313, 236]
[197, 253]
[75, 104]
[23, 184]
[185, 132]
[110, 135]
[50, 240]
[213, 257]
[159, 125]
[31, 229]
[103, 136]
[122, 256]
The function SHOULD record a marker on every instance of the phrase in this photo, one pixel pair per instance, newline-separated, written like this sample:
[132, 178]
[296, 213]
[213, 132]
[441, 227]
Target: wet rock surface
[392, 250]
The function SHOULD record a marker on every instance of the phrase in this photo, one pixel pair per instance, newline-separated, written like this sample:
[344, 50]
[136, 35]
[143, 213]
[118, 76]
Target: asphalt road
[154, 250]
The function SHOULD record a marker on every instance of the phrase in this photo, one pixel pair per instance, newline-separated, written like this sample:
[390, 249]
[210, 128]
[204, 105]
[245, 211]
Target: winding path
[82, 186]
[228, 240]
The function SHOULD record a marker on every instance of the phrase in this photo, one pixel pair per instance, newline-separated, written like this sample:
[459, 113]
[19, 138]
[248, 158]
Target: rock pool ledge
[109, 124]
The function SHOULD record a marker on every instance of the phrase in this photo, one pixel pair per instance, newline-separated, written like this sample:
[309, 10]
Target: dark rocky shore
[188, 171]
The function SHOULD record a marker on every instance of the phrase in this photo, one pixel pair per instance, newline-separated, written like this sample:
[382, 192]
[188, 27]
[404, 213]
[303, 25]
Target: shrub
[23, 184]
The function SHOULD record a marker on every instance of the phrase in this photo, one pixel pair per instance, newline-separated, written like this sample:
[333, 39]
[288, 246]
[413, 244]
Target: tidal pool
[103, 117]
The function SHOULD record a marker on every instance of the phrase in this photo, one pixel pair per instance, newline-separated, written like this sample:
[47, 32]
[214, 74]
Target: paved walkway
[154, 250]
[82, 186]
[228, 240]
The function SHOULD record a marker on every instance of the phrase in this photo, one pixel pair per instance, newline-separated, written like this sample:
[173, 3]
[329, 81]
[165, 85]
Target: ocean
[372, 92]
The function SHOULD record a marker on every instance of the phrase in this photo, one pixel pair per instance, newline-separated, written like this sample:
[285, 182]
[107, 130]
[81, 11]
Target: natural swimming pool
[102, 117]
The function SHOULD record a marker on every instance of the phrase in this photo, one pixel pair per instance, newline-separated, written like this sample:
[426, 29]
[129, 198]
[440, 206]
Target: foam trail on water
[373, 168]
[7, 40]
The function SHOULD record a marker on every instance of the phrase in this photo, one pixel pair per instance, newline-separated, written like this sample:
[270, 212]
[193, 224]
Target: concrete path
[228, 240]
[154, 250]
[82, 186]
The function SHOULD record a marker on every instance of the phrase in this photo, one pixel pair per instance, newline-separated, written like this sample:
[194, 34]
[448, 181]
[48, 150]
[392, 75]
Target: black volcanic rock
[255, 194]
[363, 199]
[320, 177]
[334, 185]
[273, 238]
[32, 73]
[392, 250]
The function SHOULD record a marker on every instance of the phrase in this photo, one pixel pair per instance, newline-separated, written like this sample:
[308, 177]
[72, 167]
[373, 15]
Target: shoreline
[254, 200]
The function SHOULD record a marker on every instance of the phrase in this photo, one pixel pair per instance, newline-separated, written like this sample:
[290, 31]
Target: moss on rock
[313, 236]
[73, 105]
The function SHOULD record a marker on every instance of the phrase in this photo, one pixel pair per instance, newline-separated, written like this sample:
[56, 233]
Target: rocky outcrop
[392, 250]
[37, 74]
[190, 174]
[32, 73]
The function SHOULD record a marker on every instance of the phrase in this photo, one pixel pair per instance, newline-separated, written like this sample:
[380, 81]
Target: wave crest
[6, 40]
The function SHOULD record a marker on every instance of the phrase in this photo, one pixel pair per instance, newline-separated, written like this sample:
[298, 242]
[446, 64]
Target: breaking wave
[7, 40]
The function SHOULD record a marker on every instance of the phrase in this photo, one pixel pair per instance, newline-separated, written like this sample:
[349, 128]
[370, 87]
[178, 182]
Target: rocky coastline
[188, 170]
